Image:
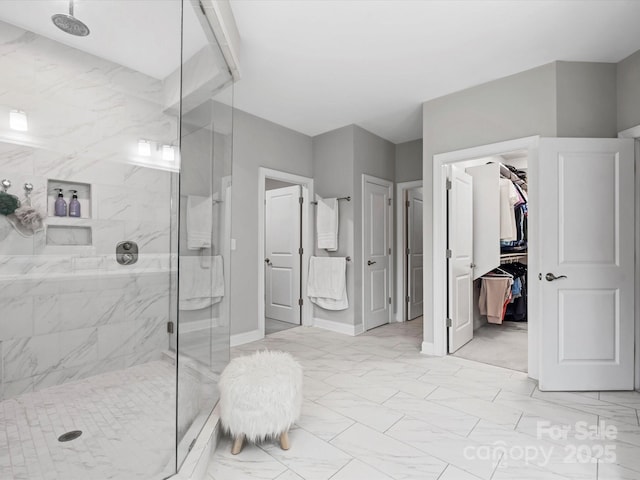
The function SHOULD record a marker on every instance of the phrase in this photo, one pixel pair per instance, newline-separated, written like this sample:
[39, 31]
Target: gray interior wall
[256, 143]
[374, 156]
[333, 173]
[512, 107]
[628, 92]
[408, 161]
[272, 184]
[586, 99]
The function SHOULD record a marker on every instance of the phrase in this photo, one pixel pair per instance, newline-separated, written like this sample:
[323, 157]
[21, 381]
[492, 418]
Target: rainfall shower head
[70, 24]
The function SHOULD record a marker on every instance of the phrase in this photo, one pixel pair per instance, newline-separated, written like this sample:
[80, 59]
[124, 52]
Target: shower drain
[67, 437]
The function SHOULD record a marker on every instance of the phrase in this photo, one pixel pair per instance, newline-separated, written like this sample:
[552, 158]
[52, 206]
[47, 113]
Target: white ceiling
[318, 65]
[143, 35]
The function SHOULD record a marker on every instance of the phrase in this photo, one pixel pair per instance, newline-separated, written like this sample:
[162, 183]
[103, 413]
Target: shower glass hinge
[301, 250]
[300, 302]
[448, 253]
[169, 327]
[449, 322]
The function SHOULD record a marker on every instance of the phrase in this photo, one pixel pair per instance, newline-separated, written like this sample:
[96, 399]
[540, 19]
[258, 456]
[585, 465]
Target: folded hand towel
[327, 285]
[327, 223]
[199, 222]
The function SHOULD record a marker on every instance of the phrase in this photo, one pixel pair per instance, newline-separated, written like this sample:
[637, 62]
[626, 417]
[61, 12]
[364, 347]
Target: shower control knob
[127, 252]
[127, 258]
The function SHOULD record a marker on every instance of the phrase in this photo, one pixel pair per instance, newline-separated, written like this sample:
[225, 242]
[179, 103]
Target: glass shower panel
[86, 296]
[205, 224]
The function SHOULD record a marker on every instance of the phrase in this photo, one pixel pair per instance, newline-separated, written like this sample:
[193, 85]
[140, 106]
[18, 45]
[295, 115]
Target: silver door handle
[550, 277]
[268, 262]
[370, 262]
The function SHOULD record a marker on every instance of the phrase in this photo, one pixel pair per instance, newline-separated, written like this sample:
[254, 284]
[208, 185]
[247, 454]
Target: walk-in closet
[498, 194]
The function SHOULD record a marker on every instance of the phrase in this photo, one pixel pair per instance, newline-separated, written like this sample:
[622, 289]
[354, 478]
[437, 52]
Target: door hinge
[300, 302]
[389, 250]
[389, 300]
[449, 322]
[169, 327]
[301, 250]
[408, 299]
[448, 184]
[408, 203]
[301, 200]
[448, 253]
[408, 251]
[389, 201]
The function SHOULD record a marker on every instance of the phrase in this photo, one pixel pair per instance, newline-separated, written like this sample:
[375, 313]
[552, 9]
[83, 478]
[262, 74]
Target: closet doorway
[410, 257]
[487, 240]
[283, 245]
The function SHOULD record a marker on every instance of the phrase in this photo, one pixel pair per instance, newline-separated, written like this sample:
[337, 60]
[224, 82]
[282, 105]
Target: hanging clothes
[495, 293]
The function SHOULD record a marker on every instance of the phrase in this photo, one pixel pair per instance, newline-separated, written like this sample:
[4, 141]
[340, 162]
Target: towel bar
[348, 199]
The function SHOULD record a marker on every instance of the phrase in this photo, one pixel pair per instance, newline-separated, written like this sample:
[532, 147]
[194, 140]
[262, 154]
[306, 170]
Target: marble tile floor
[128, 423]
[377, 409]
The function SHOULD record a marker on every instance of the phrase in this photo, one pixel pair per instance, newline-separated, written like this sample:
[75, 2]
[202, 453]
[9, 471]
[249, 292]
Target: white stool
[260, 397]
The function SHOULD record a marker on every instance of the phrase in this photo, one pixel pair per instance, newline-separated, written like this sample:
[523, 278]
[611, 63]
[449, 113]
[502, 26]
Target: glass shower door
[205, 226]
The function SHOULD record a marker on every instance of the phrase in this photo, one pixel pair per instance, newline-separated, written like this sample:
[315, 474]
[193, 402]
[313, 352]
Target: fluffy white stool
[260, 397]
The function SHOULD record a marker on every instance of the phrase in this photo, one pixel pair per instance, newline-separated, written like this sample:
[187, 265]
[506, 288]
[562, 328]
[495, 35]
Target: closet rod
[348, 199]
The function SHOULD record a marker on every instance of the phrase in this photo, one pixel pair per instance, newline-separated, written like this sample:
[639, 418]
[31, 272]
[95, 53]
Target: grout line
[515, 427]
[393, 424]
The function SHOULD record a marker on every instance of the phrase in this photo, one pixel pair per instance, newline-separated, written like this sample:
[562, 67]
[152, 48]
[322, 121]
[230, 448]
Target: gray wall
[512, 107]
[256, 143]
[409, 161]
[372, 156]
[333, 173]
[628, 94]
[584, 89]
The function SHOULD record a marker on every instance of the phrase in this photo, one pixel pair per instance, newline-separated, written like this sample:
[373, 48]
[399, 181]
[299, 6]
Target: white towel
[201, 282]
[199, 222]
[327, 283]
[327, 223]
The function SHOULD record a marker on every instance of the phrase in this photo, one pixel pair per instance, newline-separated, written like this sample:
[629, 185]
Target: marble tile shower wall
[72, 312]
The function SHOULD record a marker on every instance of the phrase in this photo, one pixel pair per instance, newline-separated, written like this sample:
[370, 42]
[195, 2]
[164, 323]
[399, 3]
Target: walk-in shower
[114, 284]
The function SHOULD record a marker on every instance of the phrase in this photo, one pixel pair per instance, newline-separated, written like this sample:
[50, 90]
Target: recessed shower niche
[67, 229]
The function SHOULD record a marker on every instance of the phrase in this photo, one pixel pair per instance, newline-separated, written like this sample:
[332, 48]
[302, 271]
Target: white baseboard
[337, 327]
[428, 348]
[246, 337]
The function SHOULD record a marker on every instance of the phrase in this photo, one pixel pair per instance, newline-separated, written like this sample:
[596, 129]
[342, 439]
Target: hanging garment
[508, 199]
[494, 292]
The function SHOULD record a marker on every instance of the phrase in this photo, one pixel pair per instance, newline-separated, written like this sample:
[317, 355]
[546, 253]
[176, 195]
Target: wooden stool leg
[284, 440]
[238, 442]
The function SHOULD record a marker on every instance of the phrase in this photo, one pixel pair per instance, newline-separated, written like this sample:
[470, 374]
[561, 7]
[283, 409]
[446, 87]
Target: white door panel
[376, 254]
[486, 222]
[415, 255]
[460, 214]
[282, 237]
[587, 239]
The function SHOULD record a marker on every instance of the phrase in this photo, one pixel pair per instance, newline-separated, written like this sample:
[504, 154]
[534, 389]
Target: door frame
[634, 133]
[440, 161]
[363, 260]
[401, 242]
[307, 239]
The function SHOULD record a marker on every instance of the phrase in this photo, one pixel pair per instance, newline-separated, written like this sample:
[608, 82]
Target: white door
[486, 218]
[460, 246]
[282, 263]
[586, 234]
[414, 253]
[376, 221]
